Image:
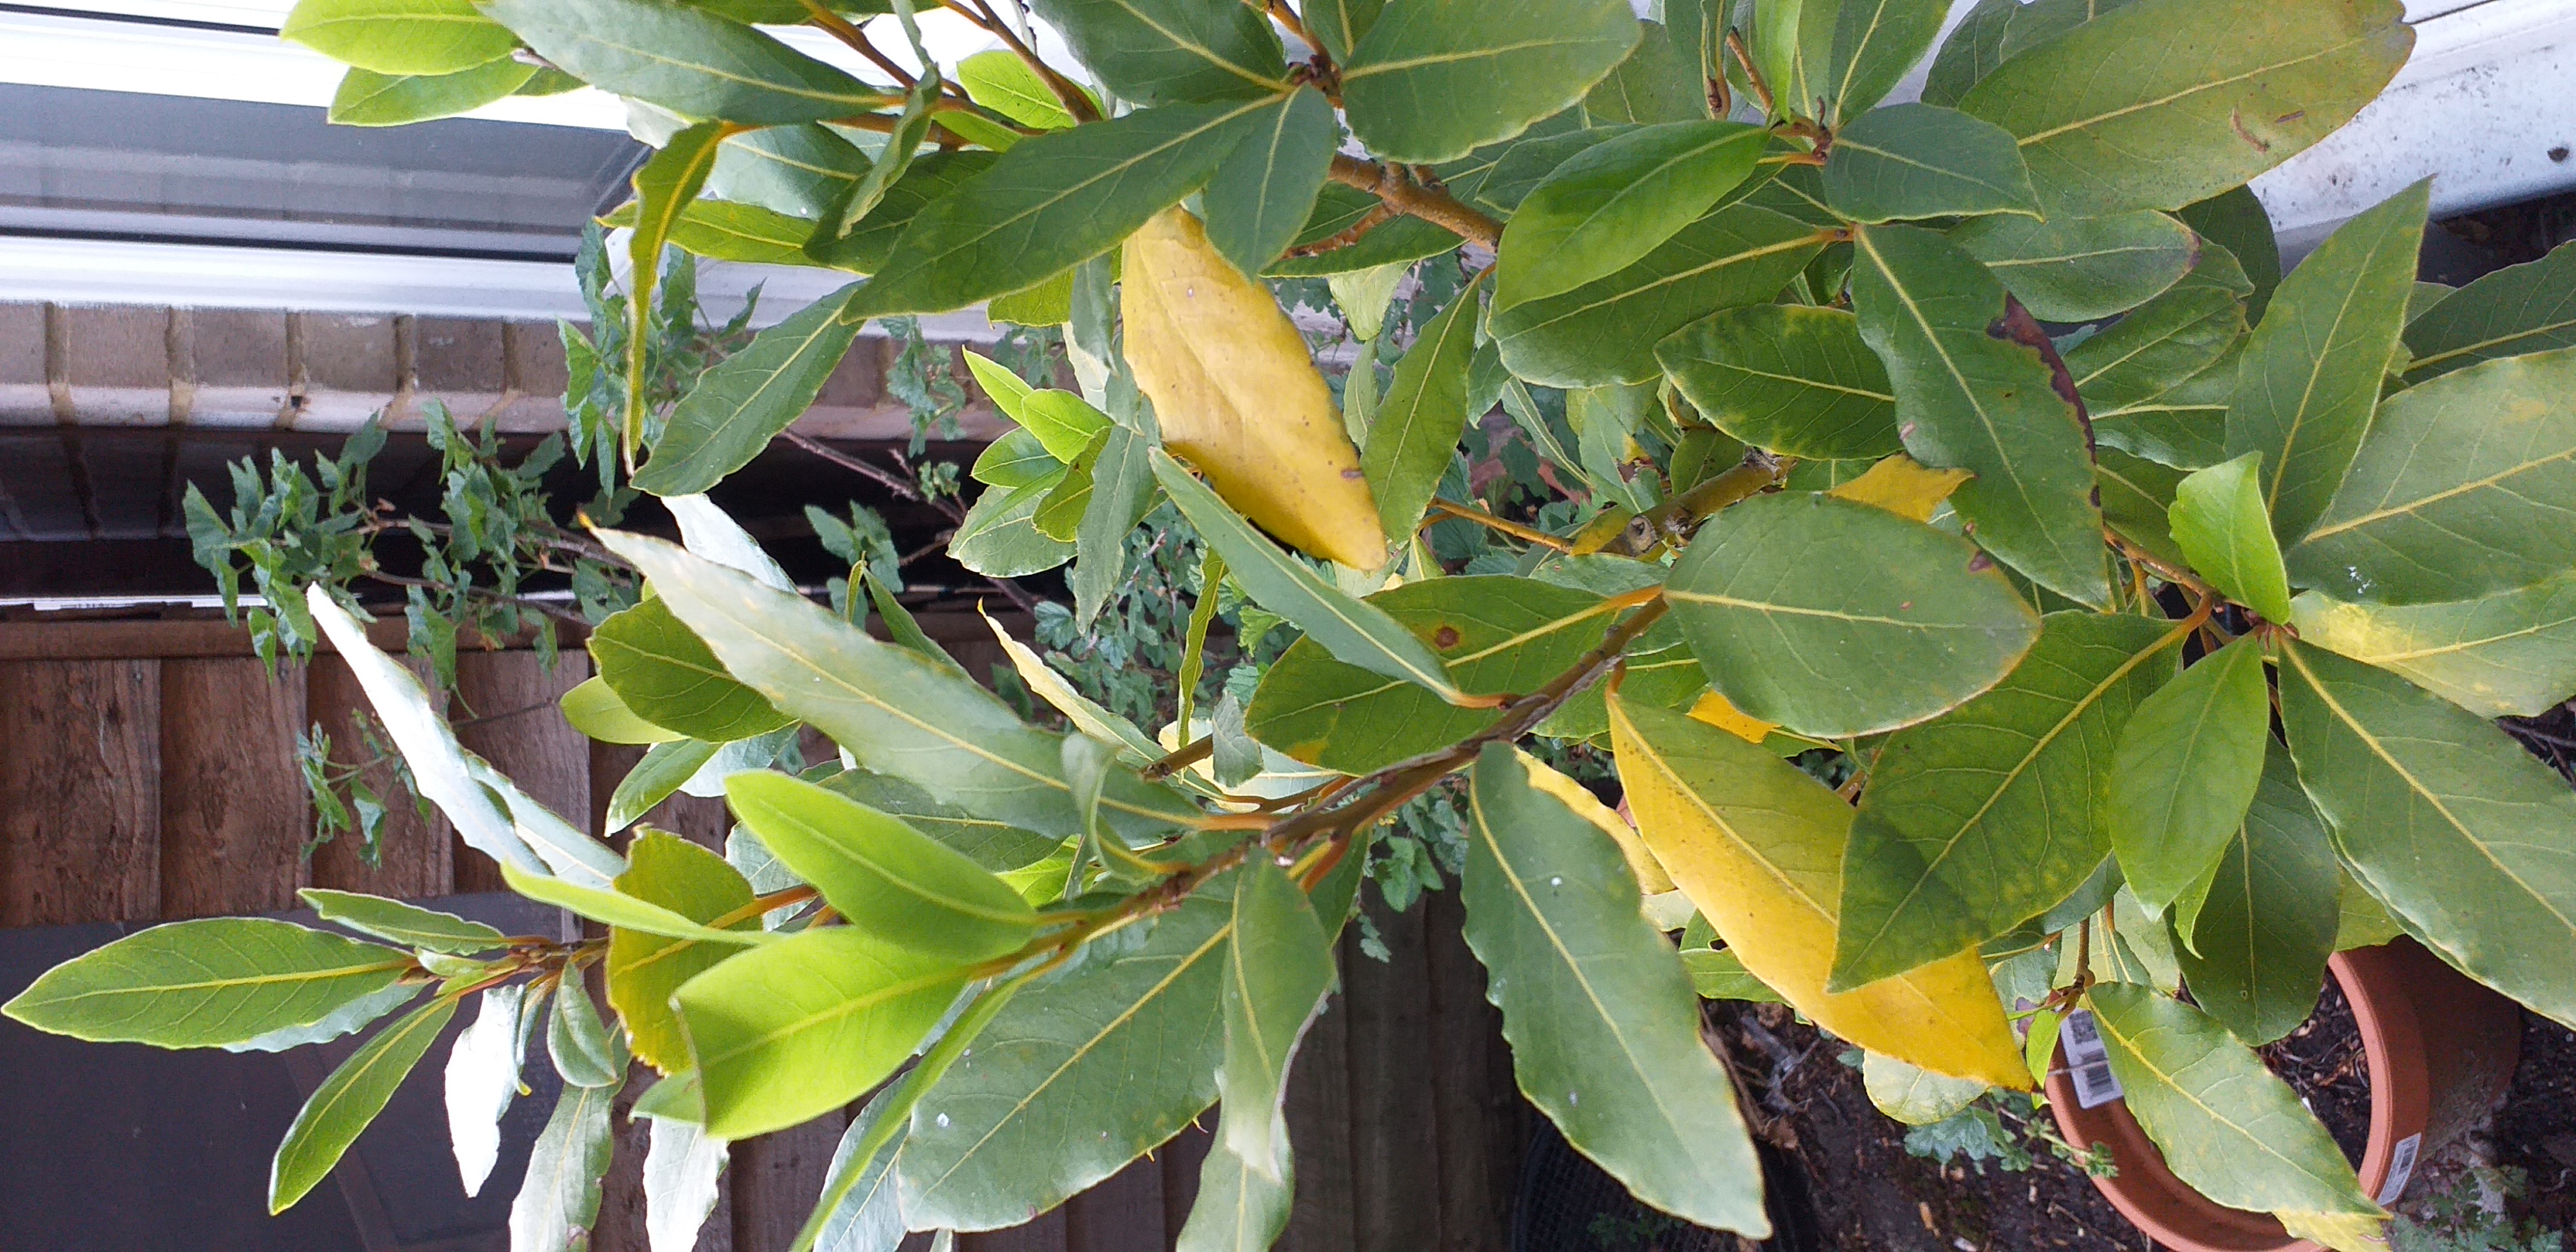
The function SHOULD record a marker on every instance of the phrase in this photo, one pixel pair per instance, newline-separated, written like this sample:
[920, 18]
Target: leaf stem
[841, 29]
[1195, 751]
[1752, 77]
[1526, 534]
[764, 905]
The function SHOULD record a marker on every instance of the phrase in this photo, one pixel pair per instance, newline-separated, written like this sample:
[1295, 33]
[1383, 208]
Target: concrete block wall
[275, 369]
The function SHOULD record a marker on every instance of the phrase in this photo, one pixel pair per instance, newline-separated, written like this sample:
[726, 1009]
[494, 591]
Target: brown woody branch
[1428, 202]
[1066, 93]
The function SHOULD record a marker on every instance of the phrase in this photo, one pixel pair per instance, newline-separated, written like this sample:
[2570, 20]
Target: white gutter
[2486, 107]
[90, 271]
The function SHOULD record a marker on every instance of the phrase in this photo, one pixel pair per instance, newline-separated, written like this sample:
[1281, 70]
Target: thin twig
[1072, 97]
[1286, 17]
[1377, 216]
[840, 28]
[1195, 751]
[877, 474]
[1526, 534]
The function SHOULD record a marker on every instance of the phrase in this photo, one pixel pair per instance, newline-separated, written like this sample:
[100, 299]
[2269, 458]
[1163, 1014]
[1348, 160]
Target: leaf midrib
[1643, 1073]
[2075, 710]
[867, 699]
[1864, 240]
[2415, 785]
[2186, 93]
[2167, 1080]
[1151, 994]
[2426, 501]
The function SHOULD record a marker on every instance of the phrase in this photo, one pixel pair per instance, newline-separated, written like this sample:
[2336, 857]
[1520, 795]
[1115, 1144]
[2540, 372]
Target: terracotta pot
[2439, 1047]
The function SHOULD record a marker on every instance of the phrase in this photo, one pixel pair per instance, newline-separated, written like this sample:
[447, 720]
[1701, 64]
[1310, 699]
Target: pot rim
[2175, 1214]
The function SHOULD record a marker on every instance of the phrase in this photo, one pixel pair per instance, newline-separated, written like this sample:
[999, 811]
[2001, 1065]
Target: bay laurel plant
[2003, 594]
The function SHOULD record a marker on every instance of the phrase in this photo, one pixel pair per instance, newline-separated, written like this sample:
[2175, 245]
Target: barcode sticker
[2401, 1168]
[2088, 1062]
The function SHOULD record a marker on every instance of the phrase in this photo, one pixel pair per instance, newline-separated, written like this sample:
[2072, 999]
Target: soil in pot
[2535, 1131]
[2322, 1061]
[1866, 1191]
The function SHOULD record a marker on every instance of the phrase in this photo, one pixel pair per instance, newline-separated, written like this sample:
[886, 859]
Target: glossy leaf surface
[667, 676]
[645, 968]
[1991, 814]
[349, 1099]
[785, 1032]
[896, 711]
[1603, 1027]
[2076, 269]
[2227, 1126]
[1605, 330]
[2445, 819]
[1615, 201]
[1425, 84]
[2211, 93]
[1836, 618]
[1758, 846]
[1796, 380]
[2186, 768]
[1920, 160]
[2310, 376]
[2511, 654]
[684, 59]
[2219, 521]
[897, 883]
[748, 398]
[2464, 486]
[1970, 394]
[206, 983]
[2255, 951]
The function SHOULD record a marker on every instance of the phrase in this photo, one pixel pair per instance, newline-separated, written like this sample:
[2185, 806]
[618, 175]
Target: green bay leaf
[1605, 330]
[1423, 85]
[1795, 380]
[1497, 634]
[1972, 396]
[2185, 769]
[1835, 618]
[687, 60]
[2512, 654]
[1921, 160]
[2309, 379]
[1992, 813]
[2263, 920]
[1603, 1026]
[2444, 818]
[2516, 310]
[2077, 269]
[2464, 486]
[2212, 93]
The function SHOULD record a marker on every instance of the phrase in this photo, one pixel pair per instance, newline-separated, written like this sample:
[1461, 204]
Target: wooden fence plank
[80, 792]
[620, 1227]
[414, 859]
[1395, 1148]
[776, 1179]
[504, 710]
[1121, 1213]
[234, 818]
[1477, 1106]
[1044, 1234]
[1182, 1159]
[1319, 1130]
[701, 819]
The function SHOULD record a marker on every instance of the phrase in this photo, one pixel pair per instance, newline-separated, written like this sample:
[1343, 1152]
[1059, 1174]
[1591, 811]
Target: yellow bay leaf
[1238, 396]
[1758, 846]
[1903, 486]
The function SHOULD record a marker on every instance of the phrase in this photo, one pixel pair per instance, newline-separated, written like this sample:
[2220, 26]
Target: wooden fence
[147, 773]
